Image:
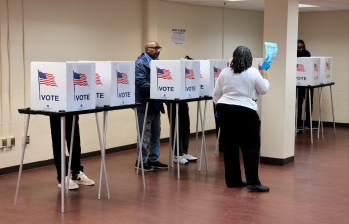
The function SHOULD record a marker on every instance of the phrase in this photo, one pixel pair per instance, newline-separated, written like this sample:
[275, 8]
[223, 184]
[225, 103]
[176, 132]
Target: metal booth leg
[319, 121]
[62, 161]
[100, 146]
[71, 151]
[103, 152]
[310, 117]
[22, 159]
[139, 145]
[334, 124]
[170, 150]
[142, 138]
[197, 129]
[296, 111]
[203, 143]
[177, 134]
[304, 109]
[322, 125]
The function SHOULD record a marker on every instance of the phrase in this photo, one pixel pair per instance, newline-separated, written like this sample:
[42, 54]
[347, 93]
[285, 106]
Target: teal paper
[271, 50]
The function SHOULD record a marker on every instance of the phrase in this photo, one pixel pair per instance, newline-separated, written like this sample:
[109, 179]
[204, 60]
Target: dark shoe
[157, 164]
[307, 126]
[243, 184]
[221, 149]
[259, 188]
[145, 166]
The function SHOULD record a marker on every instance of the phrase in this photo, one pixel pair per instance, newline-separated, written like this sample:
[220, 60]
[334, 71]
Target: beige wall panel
[243, 27]
[326, 34]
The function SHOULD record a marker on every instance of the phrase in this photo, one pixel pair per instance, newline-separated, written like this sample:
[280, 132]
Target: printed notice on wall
[178, 36]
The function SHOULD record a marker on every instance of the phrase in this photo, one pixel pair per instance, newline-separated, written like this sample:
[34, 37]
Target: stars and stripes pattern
[201, 75]
[80, 79]
[189, 74]
[300, 68]
[98, 80]
[164, 74]
[316, 68]
[216, 71]
[122, 78]
[328, 66]
[47, 79]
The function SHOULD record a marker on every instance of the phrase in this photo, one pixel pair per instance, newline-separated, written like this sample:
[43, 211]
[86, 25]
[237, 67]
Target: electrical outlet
[27, 140]
[4, 143]
[11, 142]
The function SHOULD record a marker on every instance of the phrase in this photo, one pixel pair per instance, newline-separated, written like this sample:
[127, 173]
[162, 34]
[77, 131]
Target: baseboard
[276, 161]
[49, 162]
[327, 123]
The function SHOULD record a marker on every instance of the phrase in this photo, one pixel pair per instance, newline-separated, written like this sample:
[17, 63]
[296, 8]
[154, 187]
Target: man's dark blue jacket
[143, 86]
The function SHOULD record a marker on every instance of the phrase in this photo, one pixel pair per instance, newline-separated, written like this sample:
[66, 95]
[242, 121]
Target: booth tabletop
[317, 86]
[176, 100]
[63, 113]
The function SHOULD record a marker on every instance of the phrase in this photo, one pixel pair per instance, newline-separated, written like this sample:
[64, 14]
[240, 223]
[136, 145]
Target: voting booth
[174, 79]
[62, 86]
[325, 69]
[210, 70]
[257, 63]
[115, 83]
[308, 71]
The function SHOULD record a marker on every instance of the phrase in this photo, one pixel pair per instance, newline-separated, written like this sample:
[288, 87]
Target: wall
[65, 30]
[326, 34]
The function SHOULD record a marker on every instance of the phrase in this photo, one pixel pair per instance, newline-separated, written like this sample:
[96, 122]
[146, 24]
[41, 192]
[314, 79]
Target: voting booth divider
[210, 70]
[115, 83]
[308, 71]
[325, 65]
[66, 86]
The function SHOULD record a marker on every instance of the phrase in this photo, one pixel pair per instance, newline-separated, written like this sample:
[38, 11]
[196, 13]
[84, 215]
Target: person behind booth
[235, 94]
[153, 125]
[303, 52]
[78, 176]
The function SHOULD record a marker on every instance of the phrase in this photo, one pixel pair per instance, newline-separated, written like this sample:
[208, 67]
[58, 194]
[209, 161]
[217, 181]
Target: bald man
[153, 126]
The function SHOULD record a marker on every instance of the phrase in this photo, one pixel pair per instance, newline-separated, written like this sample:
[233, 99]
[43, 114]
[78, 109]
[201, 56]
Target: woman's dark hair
[304, 53]
[242, 59]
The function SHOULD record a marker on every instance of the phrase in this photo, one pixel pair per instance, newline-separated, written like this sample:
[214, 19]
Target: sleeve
[141, 78]
[262, 85]
[217, 92]
[309, 55]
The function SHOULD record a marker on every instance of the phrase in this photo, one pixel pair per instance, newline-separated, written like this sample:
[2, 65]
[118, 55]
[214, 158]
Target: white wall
[326, 34]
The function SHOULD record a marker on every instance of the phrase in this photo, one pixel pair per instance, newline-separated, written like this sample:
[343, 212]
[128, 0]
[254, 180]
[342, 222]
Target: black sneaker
[259, 188]
[157, 164]
[145, 166]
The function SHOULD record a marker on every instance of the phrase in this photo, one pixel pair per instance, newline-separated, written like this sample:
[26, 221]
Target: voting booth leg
[170, 150]
[296, 111]
[71, 150]
[197, 129]
[219, 133]
[100, 146]
[320, 115]
[139, 143]
[304, 109]
[203, 143]
[322, 124]
[174, 143]
[177, 134]
[103, 152]
[334, 124]
[22, 159]
[310, 118]
[62, 161]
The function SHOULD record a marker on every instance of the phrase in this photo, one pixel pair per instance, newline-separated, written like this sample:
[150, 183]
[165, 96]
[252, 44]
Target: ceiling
[258, 5]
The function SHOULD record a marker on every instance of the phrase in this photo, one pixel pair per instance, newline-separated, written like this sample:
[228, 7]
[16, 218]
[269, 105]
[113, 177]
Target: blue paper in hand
[271, 50]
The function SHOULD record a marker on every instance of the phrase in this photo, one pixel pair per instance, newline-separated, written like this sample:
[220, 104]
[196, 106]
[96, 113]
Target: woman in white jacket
[235, 94]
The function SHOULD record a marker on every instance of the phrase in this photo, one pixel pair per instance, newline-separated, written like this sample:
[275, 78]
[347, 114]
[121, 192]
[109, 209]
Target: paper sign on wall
[179, 36]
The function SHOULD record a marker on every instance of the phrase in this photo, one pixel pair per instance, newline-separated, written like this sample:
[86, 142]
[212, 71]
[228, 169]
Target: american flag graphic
[189, 74]
[300, 68]
[316, 68]
[98, 80]
[201, 75]
[80, 79]
[122, 78]
[216, 71]
[47, 79]
[328, 66]
[164, 74]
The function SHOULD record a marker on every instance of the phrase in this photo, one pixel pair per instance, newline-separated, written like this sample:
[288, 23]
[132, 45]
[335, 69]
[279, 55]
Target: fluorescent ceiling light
[237, 0]
[306, 6]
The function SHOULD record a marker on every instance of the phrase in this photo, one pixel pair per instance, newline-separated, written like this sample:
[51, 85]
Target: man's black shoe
[145, 166]
[243, 184]
[259, 188]
[157, 164]
[221, 149]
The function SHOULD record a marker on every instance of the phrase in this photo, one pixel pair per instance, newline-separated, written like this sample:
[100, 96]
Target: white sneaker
[81, 178]
[182, 160]
[190, 158]
[72, 185]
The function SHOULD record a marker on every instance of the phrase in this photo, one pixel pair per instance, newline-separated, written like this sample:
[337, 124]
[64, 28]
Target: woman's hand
[264, 73]
[266, 64]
